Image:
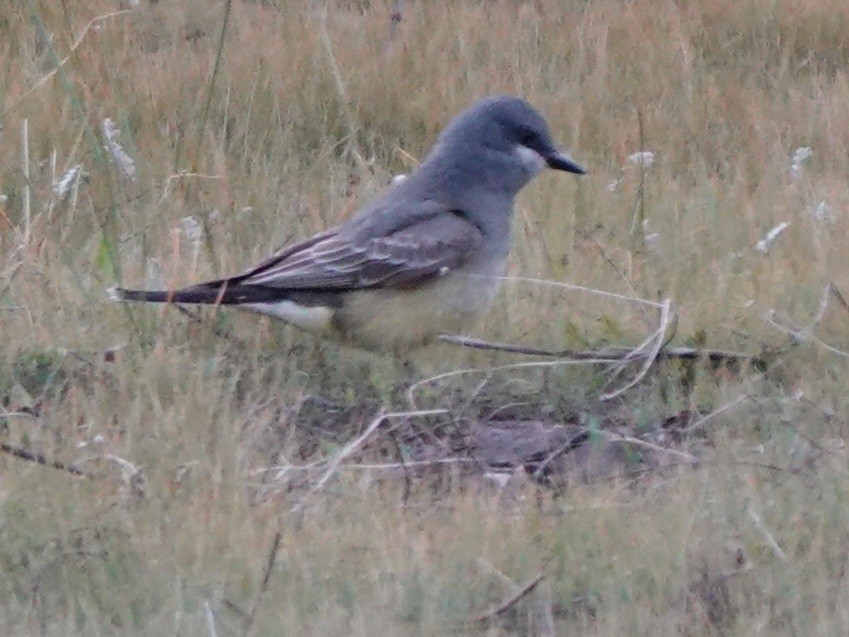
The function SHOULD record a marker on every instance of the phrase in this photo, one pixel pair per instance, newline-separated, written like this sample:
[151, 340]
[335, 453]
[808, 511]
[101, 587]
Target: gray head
[500, 143]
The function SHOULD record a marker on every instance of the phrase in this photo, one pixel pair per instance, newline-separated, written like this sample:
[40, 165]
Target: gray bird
[425, 257]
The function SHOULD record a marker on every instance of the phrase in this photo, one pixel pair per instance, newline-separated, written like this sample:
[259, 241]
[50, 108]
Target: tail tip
[116, 294]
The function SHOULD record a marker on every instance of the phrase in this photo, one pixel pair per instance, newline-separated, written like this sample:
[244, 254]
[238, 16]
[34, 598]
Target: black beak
[560, 161]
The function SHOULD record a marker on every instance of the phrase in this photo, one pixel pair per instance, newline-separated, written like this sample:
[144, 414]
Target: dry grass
[307, 115]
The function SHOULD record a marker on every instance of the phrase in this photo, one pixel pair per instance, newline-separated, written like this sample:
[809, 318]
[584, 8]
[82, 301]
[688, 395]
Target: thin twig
[837, 295]
[27, 187]
[609, 260]
[248, 618]
[806, 332]
[362, 164]
[497, 572]
[299, 507]
[775, 355]
[616, 353]
[704, 419]
[62, 63]
[40, 458]
[651, 344]
[10, 274]
[217, 330]
[387, 466]
[510, 348]
[185, 174]
[500, 368]
[576, 288]
[269, 564]
[652, 357]
[770, 540]
[639, 442]
[573, 443]
[395, 18]
[219, 54]
[635, 354]
[17, 414]
[210, 619]
[510, 601]
[408, 479]
[639, 215]
[355, 444]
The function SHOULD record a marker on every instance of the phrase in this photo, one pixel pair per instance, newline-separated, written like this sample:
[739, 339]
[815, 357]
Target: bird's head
[507, 136]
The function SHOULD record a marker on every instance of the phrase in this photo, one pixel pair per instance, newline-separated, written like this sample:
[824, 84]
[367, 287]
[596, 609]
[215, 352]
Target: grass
[205, 451]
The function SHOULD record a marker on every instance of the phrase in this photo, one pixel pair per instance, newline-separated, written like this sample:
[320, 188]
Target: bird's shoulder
[394, 212]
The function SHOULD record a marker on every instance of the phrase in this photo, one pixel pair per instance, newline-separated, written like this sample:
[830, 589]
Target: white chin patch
[532, 161]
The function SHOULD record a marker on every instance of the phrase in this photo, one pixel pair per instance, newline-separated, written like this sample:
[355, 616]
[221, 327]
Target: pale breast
[393, 319]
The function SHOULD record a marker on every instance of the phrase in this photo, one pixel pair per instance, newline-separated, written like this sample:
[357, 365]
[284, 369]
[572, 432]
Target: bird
[424, 258]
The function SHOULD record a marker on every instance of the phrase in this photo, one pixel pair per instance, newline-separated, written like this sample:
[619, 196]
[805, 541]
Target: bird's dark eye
[527, 137]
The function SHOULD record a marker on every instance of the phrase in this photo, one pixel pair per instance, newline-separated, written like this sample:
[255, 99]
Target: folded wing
[428, 248]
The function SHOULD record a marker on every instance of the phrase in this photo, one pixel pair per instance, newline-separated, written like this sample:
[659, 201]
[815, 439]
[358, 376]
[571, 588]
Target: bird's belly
[314, 318]
[395, 319]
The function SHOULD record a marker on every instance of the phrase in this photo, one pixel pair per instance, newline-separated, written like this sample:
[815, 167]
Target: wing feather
[425, 249]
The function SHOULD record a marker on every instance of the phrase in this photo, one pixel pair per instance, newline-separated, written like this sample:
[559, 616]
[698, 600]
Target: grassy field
[222, 474]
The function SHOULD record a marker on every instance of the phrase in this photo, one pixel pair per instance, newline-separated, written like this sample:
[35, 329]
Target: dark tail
[214, 293]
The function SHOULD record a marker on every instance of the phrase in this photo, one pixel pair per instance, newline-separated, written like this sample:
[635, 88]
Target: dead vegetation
[647, 435]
